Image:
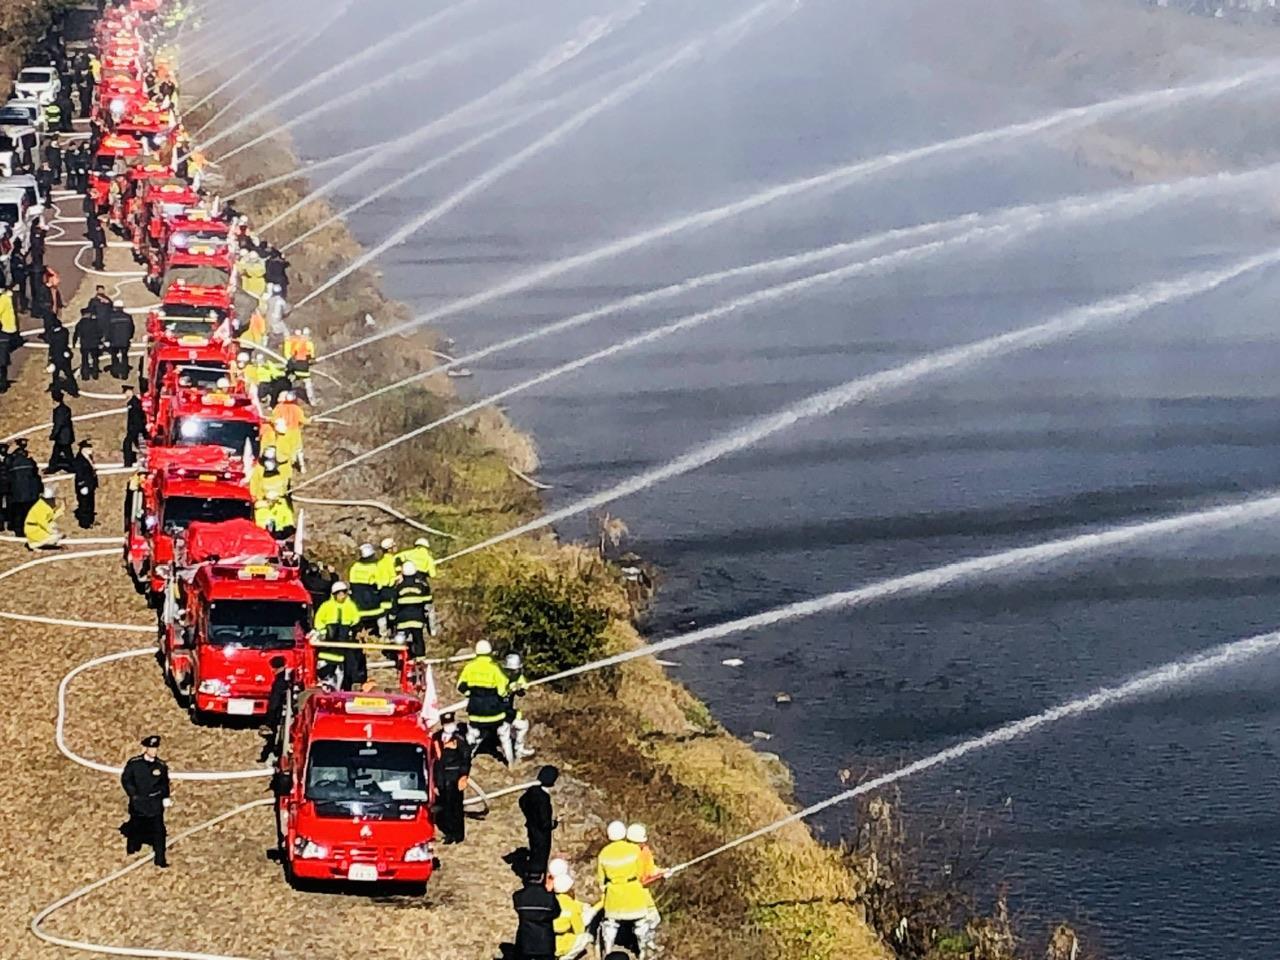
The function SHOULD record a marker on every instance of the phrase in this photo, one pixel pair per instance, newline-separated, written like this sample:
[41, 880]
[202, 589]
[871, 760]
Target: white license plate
[240, 708]
[364, 872]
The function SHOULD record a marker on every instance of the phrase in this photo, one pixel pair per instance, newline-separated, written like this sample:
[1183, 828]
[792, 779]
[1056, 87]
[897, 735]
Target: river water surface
[1152, 827]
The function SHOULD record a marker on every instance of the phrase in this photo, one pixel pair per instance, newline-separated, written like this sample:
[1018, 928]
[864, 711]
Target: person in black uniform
[539, 820]
[25, 484]
[19, 273]
[6, 357]
[274, 718]
[537, 909]
[86, 480]
[135, 425]
[88, 334]
[97, 239]
[145, 779]
[63, 436]
[409, 605]
[450, 772]
[119, 339]
[53, 155]
[4, 481]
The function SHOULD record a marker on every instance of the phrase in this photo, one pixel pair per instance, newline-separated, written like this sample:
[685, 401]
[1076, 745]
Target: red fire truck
[111, 149]
[353, 793]
[191, 230]
[180, 361]
[181, 485]
[193, 417]
[204, 265]
[233, 604]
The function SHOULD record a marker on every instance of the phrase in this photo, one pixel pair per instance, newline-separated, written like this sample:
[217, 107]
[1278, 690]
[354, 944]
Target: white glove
[84, 491]
[168, 801]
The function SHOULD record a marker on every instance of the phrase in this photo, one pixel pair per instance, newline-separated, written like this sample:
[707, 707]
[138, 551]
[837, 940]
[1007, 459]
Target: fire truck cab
[233, 604]
[352, 786]
[111, 149]
[192, 417]
[182, 485]
[162, 199]
[189, 234]
[180, 362]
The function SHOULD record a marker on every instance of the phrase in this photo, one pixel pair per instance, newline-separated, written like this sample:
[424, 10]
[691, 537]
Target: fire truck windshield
[256, 624]
[229, 434]
[180, 511]
[184, 310]
[347, 777]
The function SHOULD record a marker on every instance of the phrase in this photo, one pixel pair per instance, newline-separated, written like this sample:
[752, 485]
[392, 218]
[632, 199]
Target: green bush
[553, 622]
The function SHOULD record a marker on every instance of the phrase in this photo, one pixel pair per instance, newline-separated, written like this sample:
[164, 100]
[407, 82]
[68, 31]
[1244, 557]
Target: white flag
[431, 700]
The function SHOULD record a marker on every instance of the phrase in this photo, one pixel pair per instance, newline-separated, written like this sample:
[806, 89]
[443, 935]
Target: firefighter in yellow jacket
[41, 524]
[620, 870]
[572, 938]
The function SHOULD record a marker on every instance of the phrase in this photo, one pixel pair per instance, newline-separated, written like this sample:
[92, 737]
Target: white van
[28, 185]
[18, 145]
[15, 213]
[41, 84]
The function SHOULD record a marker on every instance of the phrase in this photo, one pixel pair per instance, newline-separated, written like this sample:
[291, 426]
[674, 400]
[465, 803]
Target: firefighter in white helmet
[515, 748]
[620, 870]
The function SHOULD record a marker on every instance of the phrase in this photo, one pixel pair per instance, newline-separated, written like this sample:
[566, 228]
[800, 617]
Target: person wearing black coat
[86, 480]
[63, 436]
[539, 820]
[53, 155]
[25, 485]
[20, 274]
[536, 909]
[145, 779]
[135, 427]
[4, 480]
[97, 239]
[449, 772]
[64, 105]
[62, 378]
[45, 175]
[88, 334]
[5, 358]
[119, 339]
[277, 271]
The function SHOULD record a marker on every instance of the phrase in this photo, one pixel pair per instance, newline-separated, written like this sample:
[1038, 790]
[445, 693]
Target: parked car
[41, 84]
[25, 111]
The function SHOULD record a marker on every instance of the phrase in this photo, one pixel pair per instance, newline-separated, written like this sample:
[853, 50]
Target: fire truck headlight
[217, 688]
[419, 853]
[309, 849]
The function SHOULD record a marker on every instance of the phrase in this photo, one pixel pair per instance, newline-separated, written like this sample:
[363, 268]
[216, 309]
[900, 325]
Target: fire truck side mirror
[282, 783]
